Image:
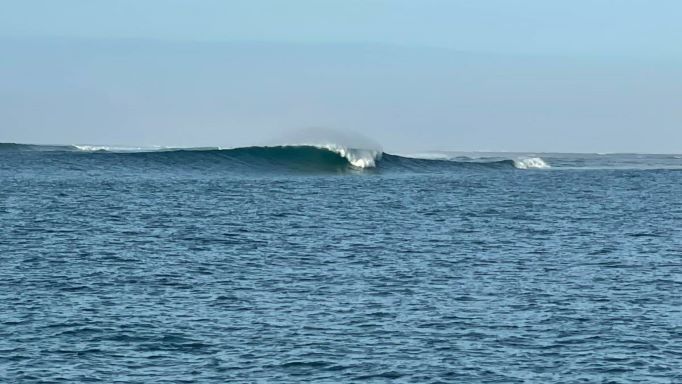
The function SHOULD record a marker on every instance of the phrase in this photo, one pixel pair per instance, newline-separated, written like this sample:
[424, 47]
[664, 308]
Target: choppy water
[221, 266]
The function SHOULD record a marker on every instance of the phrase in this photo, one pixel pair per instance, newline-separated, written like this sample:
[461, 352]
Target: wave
[360, 158]
[306, 157]
[519, 162]
[36, 147]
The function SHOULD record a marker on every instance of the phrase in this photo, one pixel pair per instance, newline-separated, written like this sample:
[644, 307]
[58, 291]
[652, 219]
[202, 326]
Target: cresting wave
[306, 157]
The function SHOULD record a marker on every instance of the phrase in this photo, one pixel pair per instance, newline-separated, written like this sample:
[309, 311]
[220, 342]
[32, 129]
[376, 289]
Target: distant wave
[519, 162]
[360, 158]
[306, 157]
[531, 163]
[36, 147]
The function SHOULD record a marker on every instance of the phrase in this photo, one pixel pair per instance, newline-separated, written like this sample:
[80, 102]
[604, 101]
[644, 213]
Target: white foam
[91, 148]
[530, 163]
[361, 158]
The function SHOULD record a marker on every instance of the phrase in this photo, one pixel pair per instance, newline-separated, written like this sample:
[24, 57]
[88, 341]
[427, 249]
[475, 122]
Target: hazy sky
[590, 75]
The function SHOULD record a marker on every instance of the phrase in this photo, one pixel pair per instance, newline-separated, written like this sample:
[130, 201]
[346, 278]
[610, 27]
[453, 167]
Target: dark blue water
[216, 266]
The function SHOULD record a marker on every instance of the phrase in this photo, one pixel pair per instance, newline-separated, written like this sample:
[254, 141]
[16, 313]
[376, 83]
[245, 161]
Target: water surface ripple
[152, 274]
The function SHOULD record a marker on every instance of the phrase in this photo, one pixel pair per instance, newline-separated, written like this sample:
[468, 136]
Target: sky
[514, 75]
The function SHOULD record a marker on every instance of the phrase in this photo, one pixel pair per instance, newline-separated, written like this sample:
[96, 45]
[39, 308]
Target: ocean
[327, 264]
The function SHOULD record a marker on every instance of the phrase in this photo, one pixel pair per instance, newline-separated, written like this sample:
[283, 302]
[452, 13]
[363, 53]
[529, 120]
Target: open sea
[331, 265]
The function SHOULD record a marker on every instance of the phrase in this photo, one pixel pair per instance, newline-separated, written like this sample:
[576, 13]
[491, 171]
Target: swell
[389, 161]
[308, 159]
[300, 158]
[37, 148]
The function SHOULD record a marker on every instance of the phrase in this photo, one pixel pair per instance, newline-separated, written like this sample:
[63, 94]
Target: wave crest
[484, 158]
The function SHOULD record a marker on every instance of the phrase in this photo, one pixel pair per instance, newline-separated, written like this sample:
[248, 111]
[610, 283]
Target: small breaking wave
[531, 163]
[524, 162]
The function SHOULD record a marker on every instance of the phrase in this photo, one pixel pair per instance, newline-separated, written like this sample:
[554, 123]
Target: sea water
[324, 264]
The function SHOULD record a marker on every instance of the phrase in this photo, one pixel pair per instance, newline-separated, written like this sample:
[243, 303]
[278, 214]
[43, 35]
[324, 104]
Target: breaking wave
[361, 158]
[307, 157]
[530, 163]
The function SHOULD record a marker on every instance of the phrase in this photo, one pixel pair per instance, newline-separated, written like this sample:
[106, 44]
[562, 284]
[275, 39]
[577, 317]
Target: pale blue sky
[637, 28]
[520, 75]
